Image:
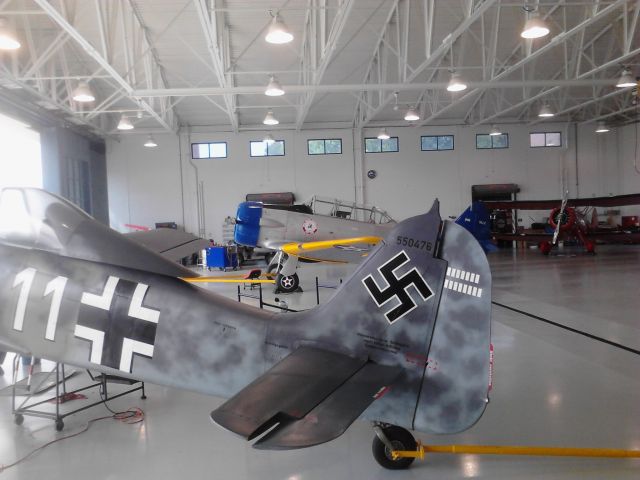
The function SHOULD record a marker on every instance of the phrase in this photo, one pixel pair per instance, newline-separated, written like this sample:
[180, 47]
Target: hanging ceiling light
[150, 143]
[602, 127]
[269, 119]
[545, 111]
[456, 84]
[83, 93]
[125, 123]
[8, 39]
[626, 80]
[268, 139]
[274, 89]
[383, 135]
[411, 115]
[278, 32]
[495, 131]
[534, 27]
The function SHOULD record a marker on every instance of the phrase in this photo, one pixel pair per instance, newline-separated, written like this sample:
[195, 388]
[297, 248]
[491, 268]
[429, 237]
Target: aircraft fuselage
[128, 322]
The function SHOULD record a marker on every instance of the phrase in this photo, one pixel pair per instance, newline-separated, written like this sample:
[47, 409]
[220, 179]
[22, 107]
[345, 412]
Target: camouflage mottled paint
[211, 344]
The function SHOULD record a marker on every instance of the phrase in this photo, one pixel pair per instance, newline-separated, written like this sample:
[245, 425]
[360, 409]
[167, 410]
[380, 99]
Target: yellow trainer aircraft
[321, 230]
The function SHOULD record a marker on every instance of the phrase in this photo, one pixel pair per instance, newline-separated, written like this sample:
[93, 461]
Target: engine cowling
[247, 228]
[566, 218]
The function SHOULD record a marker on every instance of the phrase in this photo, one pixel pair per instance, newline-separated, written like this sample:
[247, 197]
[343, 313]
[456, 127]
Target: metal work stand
[26, 408]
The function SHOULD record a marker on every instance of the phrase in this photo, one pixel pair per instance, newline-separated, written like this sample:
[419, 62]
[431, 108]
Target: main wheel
[59, 425]
[401, 439]
[287, 283]
[545, 247]
[18, 419]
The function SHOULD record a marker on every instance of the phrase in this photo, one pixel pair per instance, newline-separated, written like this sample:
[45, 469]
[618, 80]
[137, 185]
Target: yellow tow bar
[420, 451]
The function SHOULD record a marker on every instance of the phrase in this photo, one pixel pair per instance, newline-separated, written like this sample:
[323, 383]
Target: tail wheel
[287, 283]
[566, 218]
[545, 247]
[401, 439]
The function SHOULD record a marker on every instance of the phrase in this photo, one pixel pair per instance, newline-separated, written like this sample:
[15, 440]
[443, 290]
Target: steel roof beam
[93, 53]
[347, 88]
[613, 81]
[209, 28]
[564, 36]
[439, 52]
[327, 55]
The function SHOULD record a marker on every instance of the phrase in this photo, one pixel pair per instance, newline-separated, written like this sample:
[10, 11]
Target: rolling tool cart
[222, 257]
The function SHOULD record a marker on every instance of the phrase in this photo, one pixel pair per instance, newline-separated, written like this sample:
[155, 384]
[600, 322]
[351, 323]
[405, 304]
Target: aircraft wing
[615, 236]
[340, 249]
[613, 201]
[171, 244]
[309, 397]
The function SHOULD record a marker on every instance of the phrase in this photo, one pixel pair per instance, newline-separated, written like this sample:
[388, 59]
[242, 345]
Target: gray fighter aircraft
[405, 341]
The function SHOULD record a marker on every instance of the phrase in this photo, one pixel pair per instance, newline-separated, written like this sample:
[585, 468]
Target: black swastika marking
[398, 287]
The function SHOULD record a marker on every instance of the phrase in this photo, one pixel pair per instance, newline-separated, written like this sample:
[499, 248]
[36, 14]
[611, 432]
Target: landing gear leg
[389, 438]
[287, 280]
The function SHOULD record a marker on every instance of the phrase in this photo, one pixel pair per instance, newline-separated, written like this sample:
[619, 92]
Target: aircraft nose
[247, 228]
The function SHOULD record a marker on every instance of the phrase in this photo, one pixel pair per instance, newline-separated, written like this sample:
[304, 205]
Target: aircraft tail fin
[476, 220]
[422, 300]
[404, 340]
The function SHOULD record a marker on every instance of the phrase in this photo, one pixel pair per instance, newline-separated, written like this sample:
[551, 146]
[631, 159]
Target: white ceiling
[180, 63]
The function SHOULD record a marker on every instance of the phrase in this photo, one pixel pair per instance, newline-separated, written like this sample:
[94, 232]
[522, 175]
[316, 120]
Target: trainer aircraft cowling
[404, 342]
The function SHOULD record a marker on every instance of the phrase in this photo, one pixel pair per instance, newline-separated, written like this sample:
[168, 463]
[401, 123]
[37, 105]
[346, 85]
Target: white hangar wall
[148, 185]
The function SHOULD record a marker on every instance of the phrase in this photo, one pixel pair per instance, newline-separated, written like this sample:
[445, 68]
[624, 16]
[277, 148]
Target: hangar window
[376, 145]
[267, 149]
[486, 141]
[429, 143]
[209, 150]
[545, 139]
[327, 146]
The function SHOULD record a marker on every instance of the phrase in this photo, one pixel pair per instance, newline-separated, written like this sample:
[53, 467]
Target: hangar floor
[552, 386]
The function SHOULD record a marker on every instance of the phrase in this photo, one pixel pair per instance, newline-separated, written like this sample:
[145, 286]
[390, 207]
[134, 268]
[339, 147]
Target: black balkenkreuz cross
[397, 287]
[117, 324]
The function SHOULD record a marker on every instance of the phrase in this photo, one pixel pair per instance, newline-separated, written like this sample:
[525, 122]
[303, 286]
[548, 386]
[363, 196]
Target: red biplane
[573, 219]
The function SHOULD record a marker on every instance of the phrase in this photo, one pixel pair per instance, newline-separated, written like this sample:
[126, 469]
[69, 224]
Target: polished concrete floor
[552, 387]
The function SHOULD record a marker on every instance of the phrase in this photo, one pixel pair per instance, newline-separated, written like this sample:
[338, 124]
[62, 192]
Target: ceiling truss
[114, 49]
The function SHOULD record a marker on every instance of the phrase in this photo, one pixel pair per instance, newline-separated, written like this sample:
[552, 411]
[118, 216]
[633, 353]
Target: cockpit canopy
[37, 219]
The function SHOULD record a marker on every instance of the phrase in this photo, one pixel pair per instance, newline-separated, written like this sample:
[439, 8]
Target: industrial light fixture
[626, 80]
[83, 93]
[268, 139]
[150, 143]
[383, 135]
[269, 119]
[495, 131]
[278, 32]
[534, 27]
[8, 38]
[274, 89]
[545, 111]
[411, 115]
[602, 127]
[125, 123]
[456, 84]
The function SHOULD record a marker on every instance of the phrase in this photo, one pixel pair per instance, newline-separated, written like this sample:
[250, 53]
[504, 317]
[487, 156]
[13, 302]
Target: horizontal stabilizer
[290, 389]
[332, 417]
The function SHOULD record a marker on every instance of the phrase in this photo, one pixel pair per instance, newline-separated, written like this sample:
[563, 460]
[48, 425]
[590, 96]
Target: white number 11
[55, 288]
